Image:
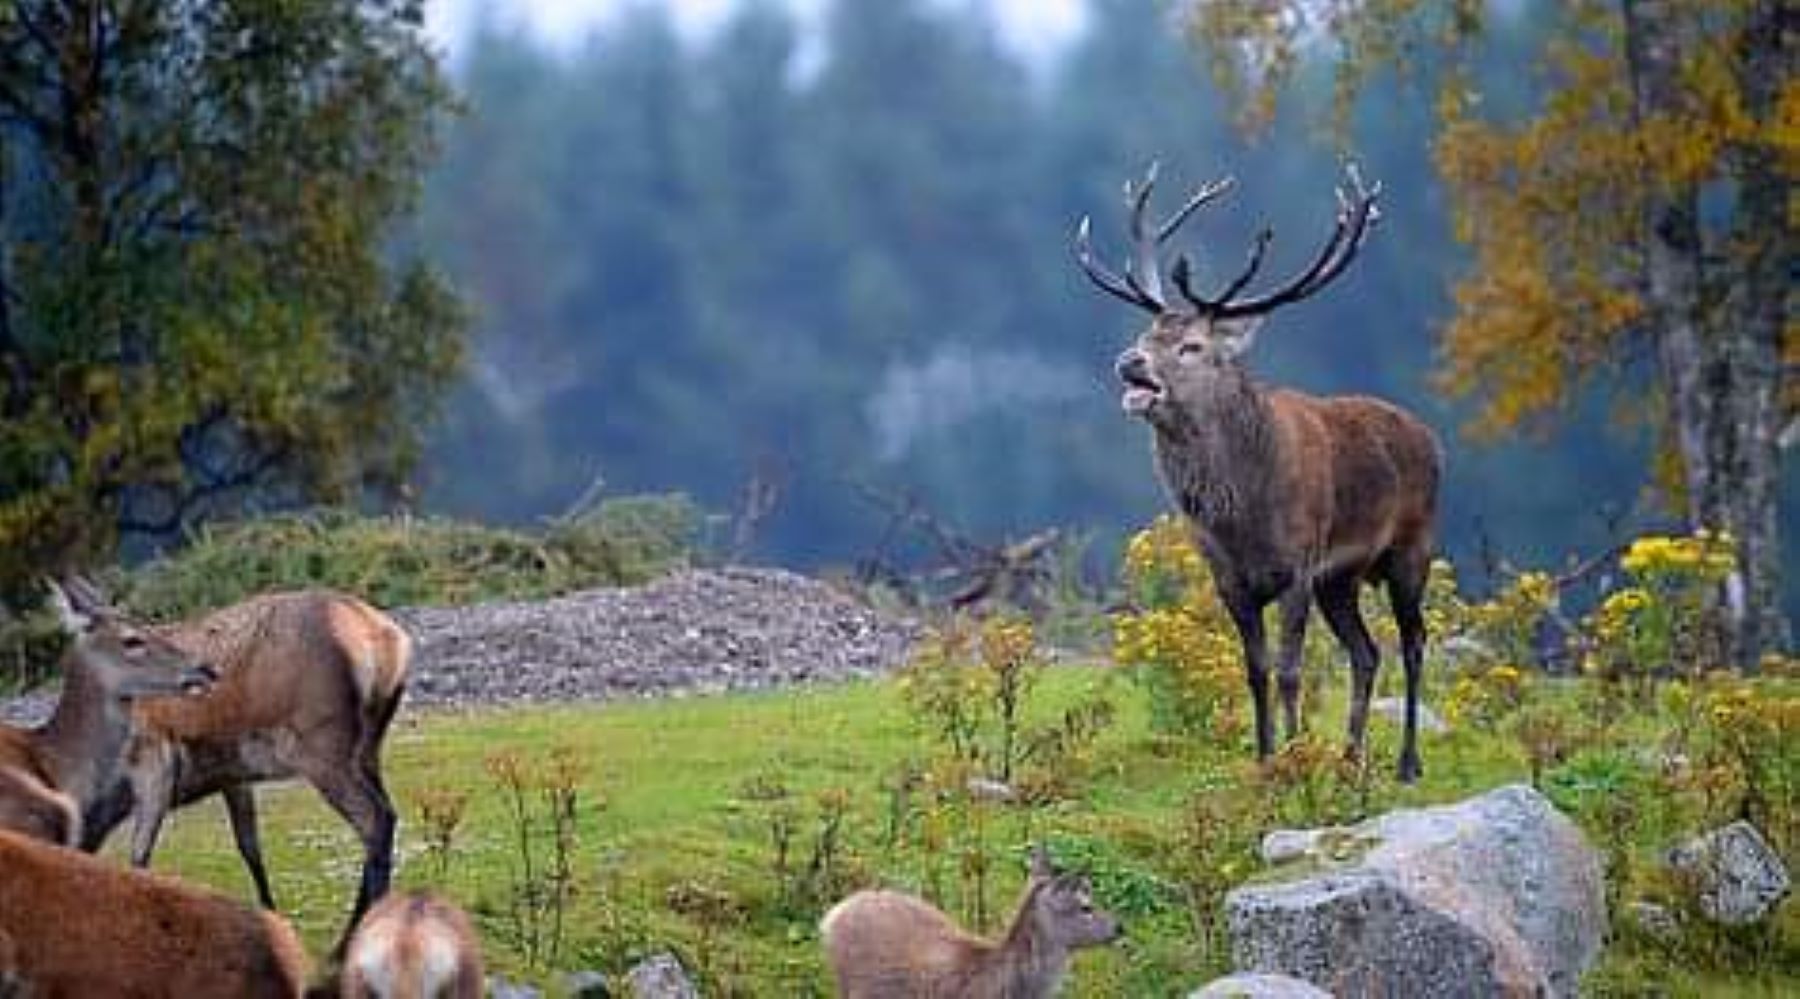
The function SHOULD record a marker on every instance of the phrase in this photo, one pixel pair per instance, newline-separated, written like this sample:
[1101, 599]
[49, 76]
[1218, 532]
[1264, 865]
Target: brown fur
[1292, 499]
[308, 683]
[50, 775]
[413, 946]
[889, 945]
[73, 925]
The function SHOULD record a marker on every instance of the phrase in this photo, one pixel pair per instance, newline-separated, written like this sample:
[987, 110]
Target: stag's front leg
[1246, 614]
[1295, 605]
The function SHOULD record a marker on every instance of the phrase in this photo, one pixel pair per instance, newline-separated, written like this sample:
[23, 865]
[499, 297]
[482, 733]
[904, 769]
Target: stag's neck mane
[1216, 455]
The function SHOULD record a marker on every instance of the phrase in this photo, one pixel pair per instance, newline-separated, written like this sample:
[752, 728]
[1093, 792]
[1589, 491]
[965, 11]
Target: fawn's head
[122, 659]
[1062, 910]
[1193, 347]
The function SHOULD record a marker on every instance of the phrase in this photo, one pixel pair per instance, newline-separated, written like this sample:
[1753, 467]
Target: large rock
[1242, 986]
[1737, 876]
[1498, 895]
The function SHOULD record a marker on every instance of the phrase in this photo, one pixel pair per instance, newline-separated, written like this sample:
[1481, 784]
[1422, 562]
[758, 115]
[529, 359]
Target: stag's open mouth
[1141, 393]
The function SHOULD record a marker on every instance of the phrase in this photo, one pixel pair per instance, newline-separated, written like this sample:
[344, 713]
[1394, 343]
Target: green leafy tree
[197, 309]
[1635, 205]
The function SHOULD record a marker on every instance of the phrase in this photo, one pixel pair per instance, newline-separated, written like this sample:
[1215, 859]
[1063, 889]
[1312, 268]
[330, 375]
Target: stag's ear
[1236, 335]
[1041, 867]
[76, 619]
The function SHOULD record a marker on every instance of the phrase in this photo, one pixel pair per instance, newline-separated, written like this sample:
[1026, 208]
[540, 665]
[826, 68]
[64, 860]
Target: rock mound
[1496, 895]
[694, 631]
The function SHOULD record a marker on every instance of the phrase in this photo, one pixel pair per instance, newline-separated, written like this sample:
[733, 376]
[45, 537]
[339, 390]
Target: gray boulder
[1260, 987]
[586, 985]
[1737, 876]
[660, 976]
[1496, 895]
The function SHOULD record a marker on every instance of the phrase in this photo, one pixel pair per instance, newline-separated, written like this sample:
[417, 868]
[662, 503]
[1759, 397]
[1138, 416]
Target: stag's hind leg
[1406, 581]
[1337, 596]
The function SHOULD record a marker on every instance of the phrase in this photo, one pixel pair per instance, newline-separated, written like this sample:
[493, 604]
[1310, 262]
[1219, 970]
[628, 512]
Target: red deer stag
[307, 684]
[51, 775]
[886, 945]
[1291, 498]
[75, 925]
[414, 945]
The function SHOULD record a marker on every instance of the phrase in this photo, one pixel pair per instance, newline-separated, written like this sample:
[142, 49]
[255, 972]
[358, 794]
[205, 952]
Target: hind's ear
[1041, 867]
[75, 618]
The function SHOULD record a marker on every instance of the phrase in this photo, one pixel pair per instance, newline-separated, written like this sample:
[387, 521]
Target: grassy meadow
[679, 807]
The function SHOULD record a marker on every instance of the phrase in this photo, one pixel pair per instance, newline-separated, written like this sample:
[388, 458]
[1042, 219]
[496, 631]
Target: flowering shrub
[1181, 646]
[1657, 623]
[967, 678]
[1485, 697]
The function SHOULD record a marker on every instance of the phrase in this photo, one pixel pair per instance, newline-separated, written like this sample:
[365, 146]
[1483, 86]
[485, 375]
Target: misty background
[827, 247]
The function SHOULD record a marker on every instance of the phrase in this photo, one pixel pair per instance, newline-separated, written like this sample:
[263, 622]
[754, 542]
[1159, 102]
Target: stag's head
[1194, 343]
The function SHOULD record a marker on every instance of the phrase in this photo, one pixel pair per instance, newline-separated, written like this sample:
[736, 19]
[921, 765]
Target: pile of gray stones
[695, 631]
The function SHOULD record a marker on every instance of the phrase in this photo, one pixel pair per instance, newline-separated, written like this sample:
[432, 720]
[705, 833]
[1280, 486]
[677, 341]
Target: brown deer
[889, 945]
[50, 775]
[75, 925]
[1292, 498]
[414, 945]
[307, 684]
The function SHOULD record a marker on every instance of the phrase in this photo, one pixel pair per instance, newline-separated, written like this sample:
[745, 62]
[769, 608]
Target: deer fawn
[1291, 498]
[52, 774]
[888, 945]
[75, 925]
[307, 684]
[413, 946]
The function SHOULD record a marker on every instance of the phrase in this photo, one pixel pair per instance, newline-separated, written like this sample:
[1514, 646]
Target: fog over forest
[834, 255]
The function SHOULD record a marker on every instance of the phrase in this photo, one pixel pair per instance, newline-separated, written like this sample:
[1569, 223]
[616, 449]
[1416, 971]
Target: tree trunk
[1719, 347]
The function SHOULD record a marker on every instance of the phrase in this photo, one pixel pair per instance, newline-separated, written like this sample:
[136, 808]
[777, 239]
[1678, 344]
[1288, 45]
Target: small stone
[1737, 877]
[586, 985]
[661, 976]
[1654, 920]
[1254, 986]
[1394, 710]
[1282, 845]
[500, 988]
[988, 789]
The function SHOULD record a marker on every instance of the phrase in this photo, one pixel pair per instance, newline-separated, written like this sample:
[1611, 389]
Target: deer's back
[82, 926]
[283, 658]
[413, 944]
[883, 944]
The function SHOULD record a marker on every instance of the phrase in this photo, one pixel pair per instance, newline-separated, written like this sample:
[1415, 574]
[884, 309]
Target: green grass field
[677, 801]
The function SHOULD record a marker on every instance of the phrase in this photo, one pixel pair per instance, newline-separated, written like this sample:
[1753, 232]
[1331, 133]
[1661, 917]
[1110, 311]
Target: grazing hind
[889, 945]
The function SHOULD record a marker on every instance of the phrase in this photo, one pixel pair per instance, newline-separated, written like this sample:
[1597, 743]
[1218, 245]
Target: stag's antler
[1356, 215]
[1141, 284]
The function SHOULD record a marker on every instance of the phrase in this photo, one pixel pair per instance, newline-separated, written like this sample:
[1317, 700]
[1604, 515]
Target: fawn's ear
[1041, 867]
